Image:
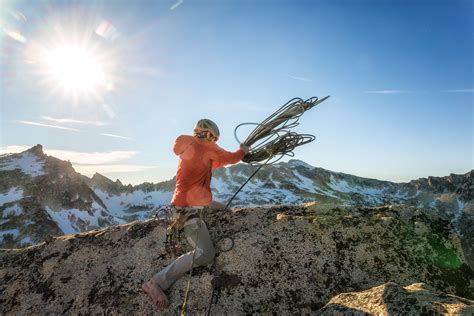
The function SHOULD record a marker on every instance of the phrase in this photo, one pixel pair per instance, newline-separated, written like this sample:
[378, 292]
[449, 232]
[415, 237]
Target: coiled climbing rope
[272, 139]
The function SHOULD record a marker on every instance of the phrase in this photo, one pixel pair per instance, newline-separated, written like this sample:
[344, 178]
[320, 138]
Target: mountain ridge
[35, 189]
[40, 190]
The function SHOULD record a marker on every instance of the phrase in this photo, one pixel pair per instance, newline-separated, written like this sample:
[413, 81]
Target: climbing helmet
[206, 125]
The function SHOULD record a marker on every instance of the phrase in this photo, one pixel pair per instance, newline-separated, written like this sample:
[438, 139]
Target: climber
[198, 155]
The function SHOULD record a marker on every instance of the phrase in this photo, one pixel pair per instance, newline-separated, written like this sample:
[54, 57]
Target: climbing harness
[164, 216]
[172, 219]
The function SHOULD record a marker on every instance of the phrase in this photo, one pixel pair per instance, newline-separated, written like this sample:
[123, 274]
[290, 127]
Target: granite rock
[286, 260]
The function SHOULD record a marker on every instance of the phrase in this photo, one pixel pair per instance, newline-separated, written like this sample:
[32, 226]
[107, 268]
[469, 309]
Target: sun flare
[75, 69]
[79, 66]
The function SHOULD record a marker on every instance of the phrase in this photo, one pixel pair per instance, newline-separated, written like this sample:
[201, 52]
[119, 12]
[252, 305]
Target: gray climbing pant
[198, 237]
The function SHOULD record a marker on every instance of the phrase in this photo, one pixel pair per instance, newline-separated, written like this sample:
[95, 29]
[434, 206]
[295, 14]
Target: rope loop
[272, 139]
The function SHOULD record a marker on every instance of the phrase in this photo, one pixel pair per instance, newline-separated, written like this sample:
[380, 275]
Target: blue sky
[400, 76]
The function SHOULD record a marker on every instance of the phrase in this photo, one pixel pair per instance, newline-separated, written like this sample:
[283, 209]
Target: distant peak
[99, 176]
[296, 162]
[101, 179]
[37, 150]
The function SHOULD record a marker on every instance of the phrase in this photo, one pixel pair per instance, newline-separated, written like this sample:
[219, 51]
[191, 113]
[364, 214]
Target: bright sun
[79, 64]
[79, 71]
[75, 70]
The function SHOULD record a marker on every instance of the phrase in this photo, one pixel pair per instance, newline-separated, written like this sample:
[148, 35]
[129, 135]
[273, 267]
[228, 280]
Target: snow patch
[15, 232]
[458, 215]
[28, 163]
[340, 185]
[68, 219]
[304, 183]
[119, 205]
[325, 192]
[299, 163]
[400, 195]
[14, 210]
[254, 195]
[369, 193]
[275, 182]
[14, 194]
[220, 187]
[26, 240]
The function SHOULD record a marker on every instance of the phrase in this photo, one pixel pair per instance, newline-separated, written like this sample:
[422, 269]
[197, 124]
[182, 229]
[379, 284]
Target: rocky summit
[306, 259]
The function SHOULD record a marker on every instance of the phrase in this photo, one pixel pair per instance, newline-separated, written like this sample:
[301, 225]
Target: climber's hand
[245, 148]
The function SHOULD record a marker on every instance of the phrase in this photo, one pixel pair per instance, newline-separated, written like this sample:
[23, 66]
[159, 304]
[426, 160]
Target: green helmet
[207, 125]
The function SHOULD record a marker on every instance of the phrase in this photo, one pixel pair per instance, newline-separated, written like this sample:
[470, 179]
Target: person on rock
[198, 155]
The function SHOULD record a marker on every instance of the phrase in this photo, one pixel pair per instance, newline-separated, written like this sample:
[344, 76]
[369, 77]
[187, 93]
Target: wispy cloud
[116, 136]
[16, 14]
[93, 158]
[459, 91]
[300, 78]
[388, 91]
[177, 4]
[48, 125]
[104, 169]
[13, 149]
[68, 120]
[78, 157]
[89, 163]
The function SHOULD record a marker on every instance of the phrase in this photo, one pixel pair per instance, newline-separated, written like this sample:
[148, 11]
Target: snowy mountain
[129, 202]
[41, 195]
[296, 182]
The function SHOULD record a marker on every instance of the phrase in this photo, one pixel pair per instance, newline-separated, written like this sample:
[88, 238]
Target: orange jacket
[197, 157]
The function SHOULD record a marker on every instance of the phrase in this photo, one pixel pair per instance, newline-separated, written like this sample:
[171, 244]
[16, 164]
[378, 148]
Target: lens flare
[106, 30]
[17, 36]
